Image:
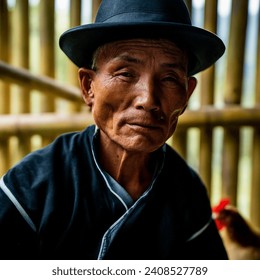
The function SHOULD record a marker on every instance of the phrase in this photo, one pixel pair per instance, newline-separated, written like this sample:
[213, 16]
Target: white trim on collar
[199, 232]
[17, 204]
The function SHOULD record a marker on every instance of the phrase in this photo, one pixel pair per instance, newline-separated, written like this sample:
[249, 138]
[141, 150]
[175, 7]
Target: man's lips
[144, 125]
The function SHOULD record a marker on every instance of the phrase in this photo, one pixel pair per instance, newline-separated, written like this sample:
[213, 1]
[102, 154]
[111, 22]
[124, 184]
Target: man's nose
[147, 95]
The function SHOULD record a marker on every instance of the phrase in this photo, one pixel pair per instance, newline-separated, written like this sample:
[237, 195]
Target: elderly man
[116, 190]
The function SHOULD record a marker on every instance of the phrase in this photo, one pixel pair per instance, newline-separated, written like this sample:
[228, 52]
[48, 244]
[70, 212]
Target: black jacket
[56, 204]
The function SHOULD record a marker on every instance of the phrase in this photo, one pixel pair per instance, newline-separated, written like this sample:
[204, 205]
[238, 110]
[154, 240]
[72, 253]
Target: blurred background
[219, 134]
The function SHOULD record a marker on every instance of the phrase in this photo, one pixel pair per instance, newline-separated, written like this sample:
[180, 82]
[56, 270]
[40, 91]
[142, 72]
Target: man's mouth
[140, 125]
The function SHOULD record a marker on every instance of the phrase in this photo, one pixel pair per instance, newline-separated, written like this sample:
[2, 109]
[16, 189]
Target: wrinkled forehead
[144, 46]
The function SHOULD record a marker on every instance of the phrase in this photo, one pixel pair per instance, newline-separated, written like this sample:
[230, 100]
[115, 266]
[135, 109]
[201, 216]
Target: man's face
[137, 92]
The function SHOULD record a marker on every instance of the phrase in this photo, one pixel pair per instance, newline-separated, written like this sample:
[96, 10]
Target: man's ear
[85, 80]
[192, 83]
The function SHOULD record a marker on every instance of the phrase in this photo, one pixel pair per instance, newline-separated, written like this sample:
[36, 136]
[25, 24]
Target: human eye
[125, 74]
[172, 80]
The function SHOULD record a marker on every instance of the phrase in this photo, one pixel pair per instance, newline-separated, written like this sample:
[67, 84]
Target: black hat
[134, 19]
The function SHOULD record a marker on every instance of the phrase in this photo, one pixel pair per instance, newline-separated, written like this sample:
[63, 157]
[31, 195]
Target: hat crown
[131, 19]
[143, 11]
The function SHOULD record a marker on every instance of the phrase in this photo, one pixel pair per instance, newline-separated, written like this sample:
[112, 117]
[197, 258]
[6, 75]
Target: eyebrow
[131, 59]
[174, 65]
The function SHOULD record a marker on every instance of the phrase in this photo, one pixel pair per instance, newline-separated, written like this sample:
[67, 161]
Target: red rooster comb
[216, 209]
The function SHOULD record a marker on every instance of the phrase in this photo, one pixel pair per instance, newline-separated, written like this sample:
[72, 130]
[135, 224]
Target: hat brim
[204, 47]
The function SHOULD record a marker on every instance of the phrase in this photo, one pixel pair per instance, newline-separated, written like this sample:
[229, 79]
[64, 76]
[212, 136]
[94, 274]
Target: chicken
[240, 239]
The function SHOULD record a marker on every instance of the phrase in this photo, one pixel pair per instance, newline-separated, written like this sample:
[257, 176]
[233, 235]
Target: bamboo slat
[180, 138]
[4, 55]
[75, 12]
[95, 5]
[20, 55]
[4, 87]
[47, 124]
[233, 116]
[47, 57]
[4, 155]
[20, 51]
[207, 98]
[233, 92]
[75, 19]
[24, 78]
[179, 141]
[230, 116]
[255, 191]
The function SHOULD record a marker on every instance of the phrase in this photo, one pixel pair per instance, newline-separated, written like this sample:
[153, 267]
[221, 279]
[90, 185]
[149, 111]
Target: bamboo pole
[29, 81]
[75, 19]
[47, 57]
[233, 116]
[20, 57]
[47, 124]
[4, 55]
[4, 154]
[255, 191]
[20, 51]
[95, 6]
[207, 98]
[4, 87]
[230, 116]
[208, 76]
[233, 91]
[179, 139]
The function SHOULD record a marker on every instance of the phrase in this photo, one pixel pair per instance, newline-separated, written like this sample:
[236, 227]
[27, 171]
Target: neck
[133, 171]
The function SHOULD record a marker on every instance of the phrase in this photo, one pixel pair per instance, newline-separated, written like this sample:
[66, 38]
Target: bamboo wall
[40, 98]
